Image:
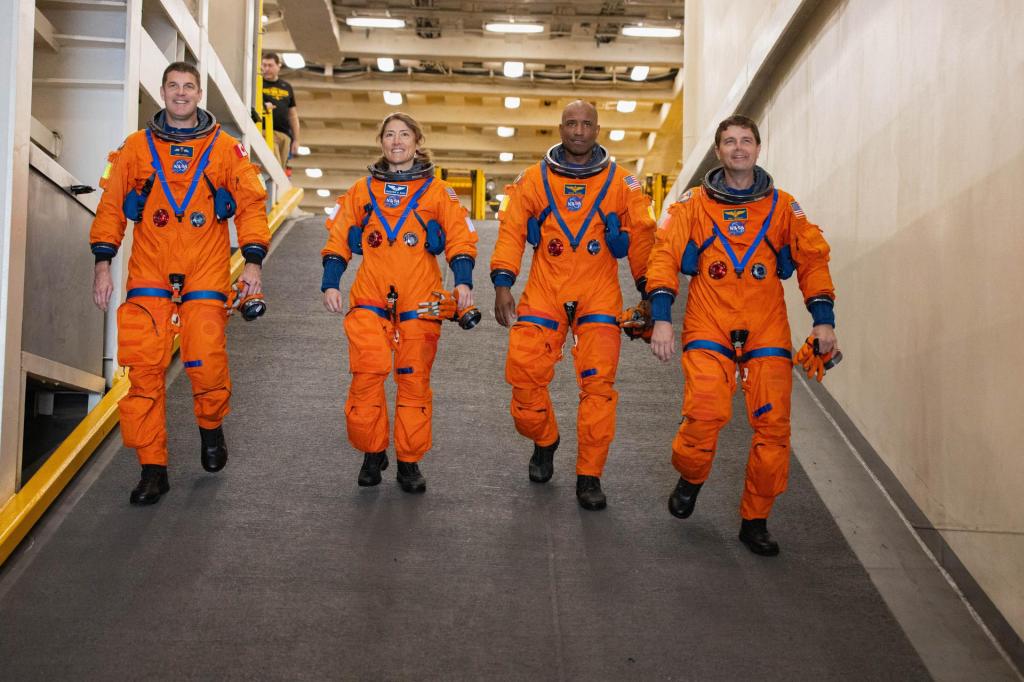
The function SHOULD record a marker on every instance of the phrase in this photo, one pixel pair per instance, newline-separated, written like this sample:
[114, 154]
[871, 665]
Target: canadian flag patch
[241, 151]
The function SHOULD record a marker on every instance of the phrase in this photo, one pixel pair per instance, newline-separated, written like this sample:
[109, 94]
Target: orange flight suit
[766, 239]
[180, 236]
[388, 222]
[571, 262]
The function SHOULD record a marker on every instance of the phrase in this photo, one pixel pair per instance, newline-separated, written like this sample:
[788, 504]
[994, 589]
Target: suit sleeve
[251, 200]
[109, 225]
[811, 255]
[639, 222]
[337, 252]
[508, 251]
[663, 266]
[460, 237]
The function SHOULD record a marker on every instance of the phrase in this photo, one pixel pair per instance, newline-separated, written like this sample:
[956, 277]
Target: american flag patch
[632, 183]
[797, 211]
[241, 151]
[451, 194]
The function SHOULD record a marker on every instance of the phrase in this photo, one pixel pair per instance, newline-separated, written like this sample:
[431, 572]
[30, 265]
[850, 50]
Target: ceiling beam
[441, 114]
[403, 44]
[477, 143]
[314, 22]
[482, 87]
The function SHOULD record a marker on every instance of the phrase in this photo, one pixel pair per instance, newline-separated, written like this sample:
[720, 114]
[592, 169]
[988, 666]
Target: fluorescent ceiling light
[639, 73]
[612, 158]
[314, 172]
[506, 156]
[392, 98]
[513, 69]
[375, 22]
[617, 135]
[505, 131]
[650, 32]
[323, 193]
[331, 210]
[293, 60]
[386, 64]
[512, 102]
[625, 106]
[513, 27]
[303, 150]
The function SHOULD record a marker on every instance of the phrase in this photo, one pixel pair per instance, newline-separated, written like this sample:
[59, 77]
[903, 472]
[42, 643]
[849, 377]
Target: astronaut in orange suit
[738, 237]
[178, 180]
[581, 213]
[399, 218]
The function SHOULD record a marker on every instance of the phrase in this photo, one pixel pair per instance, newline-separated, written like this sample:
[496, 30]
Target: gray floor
[282, 568]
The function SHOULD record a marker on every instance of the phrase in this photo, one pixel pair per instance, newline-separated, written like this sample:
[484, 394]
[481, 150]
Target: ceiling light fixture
[314, 172]
[513, 27]
[386, 64]
[506, 131]
[323, 193]
[392, 98]
[293, 60]
[617, 135]
[303, 150]
[639, 73]
[512, 102]
[506, 156]
[331, 210]
[642, 31]
[375, 22]
[625, 106]
[513, 69]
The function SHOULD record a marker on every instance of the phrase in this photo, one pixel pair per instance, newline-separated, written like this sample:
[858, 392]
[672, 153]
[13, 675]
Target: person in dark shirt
[279, 99]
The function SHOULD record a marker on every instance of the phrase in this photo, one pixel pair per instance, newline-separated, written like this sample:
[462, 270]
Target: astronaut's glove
[444, 305]
[441, 306]
[813, 362]
[636, 322]
[251, 306]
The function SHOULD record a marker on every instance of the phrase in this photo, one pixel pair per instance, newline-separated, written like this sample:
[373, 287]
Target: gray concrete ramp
[280, 567]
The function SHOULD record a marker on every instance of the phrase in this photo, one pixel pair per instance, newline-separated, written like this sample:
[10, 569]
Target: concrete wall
[898, 126]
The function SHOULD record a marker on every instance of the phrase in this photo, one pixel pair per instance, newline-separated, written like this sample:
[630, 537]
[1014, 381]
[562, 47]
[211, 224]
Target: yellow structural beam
[478, 205]
[27, 506]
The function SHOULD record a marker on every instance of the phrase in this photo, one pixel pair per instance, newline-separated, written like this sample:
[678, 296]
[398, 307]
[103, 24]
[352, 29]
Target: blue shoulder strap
[574, 241]
[392, 233]
[738, 265]
[204, 161]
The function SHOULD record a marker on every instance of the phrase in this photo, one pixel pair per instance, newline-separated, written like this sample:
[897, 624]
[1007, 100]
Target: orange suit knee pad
[414, 400]
[205, 357]
[532, 354]
[768, 388]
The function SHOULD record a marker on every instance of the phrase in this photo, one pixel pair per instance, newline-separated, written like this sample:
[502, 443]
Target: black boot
[684, 498]
[588, 493]
[410, 478]
[151, 486]
[542, 464]
[213, 452]
[754, 534]
[373, 464]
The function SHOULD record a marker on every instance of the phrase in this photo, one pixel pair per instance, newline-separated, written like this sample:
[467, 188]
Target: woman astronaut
[399, 218]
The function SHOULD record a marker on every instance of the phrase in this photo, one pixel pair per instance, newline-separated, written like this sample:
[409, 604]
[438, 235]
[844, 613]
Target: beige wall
[899, 126]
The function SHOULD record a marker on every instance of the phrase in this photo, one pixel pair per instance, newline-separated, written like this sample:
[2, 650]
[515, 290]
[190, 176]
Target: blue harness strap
[381, 312]
[413, 201]
[148, 291]
[701, 344]
[537, 319]
[741, 265]
[204, 161]
[204, 295]
[714, 346]
[606, 319]
[574, 241]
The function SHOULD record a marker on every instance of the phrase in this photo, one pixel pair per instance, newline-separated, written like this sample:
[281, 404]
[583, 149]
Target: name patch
[181, 150]
[575, 190]
[734, 214]
[396, 189]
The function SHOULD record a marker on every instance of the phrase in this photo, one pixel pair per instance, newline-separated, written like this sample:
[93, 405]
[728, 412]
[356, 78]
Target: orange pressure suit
[579, 220]
[179, 187]
[399, 222]
[738, 248]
